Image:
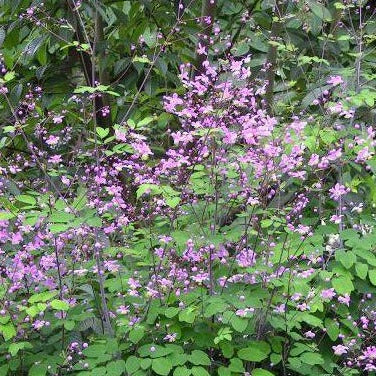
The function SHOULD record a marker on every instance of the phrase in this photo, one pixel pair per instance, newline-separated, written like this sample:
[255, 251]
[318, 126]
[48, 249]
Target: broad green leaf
[8, 331]
[95, 351]
[311, 358]
[148, 188]
[59, 305]
[161, 366]
[154, 351]
[38, 370]
[332, 328]
[136, 334]
[181, 371]
[171, 312]
[343, 285]
[145, 363]
[320, 11]
[132, 364]
[361, 270]
[15, 347]
[199, 371]
[236, 365]
[223, 371]
[347, 259]
[4, 370]
[255, 352]
[42, 296]
[102, 132]
[372, 276]
[115, 368]
[27, 199]
[98, 371]
[187, 315]
[198, 357]
[261, 372]
[69, 324]
[172, 202]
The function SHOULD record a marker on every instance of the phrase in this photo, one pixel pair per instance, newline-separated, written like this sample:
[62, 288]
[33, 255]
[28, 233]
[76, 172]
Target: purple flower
[55, 159]
[246, 258]
[340, 350]
[328, 294]
[335, 80]
[309, 334]
[337, 191]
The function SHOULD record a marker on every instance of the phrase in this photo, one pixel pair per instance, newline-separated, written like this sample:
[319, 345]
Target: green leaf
[145, 363]
[38, 370]
[26, 199]
[320, 11]
[136, 334]
[148, 188]
[241, 49]
[239, 324]
[59, 305]
[261, 372]
[332, 329]
[132, 364]
[42, 297]
[187, 315]
[347, 259]
[115, 368]
[154, 351]
[143, 60]
[56, 228]
[6, 215]
[95, 351]
[214, 308]
[199, 371]
[9, 76]
[150, 37]
[236, 365]
[102, 132]
[181, 371]
[227, 349]
[328, 136]
[161, 366]
[8, 331]
[4, 370]
[14, 348]
[178, 359]
[372, 276]
[145, 121]
[311, 358]
[275, 358]
[94, 221]
[61, 217]
[99, 371]
[223, 371]
[310, 319]
[198, 357]
[343, 285]
[255, 352]
[32, 311]
[69, 324]
[361, 270]
[171, 312]
[172, 202]
[84, 89]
